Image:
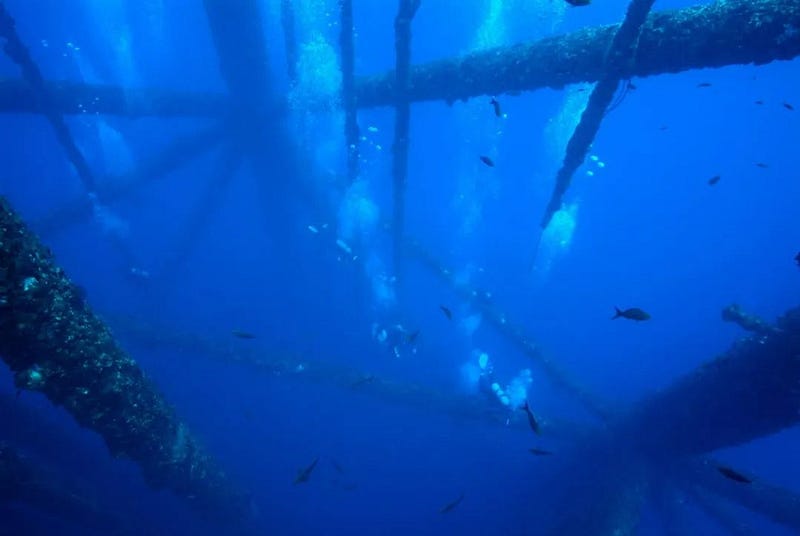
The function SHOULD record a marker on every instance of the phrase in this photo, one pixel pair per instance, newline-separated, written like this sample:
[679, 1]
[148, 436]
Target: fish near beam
[745, 393]
[54, 344]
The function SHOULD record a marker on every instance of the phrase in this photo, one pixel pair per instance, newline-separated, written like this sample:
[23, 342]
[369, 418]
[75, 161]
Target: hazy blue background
[648, 232]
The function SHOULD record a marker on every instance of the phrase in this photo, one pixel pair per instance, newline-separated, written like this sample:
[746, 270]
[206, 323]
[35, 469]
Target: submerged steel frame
[54, 344]
[722, 33]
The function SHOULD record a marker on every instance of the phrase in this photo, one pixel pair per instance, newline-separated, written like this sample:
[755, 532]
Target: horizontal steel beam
[73, 98]
[709, 35]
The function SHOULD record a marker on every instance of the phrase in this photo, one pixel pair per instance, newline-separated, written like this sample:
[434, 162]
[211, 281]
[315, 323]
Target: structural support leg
[172, 157]
[402, 43]
[18, 52]
[347, 51]
[199, 221]
[617, 63]
[289, 40]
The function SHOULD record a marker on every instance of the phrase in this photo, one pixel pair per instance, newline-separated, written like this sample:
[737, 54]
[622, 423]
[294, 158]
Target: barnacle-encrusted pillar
[708, 35]
[54, 344]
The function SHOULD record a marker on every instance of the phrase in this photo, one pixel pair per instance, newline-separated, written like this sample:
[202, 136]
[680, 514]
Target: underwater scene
[392, 267]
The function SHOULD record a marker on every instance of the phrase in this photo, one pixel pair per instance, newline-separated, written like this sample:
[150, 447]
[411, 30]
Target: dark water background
[650, 232]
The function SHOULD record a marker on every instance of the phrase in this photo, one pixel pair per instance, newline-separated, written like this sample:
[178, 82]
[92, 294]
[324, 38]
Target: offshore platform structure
[55, 344]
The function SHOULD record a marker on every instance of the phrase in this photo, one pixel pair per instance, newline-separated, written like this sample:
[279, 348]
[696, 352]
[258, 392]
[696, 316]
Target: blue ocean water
[178, 266]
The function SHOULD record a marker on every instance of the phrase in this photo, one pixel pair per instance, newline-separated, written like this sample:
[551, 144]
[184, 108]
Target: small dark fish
[531, 419]
[304, 474]
[581, 89]
[788, 106]
[727, 472]
[412, 337]
[447, 312]
[762, 165]
[578, 3]
[704, 84]
[496, 105]
[369, 378]
[451, 505]
[797, 259]
[540, 452]
[631, 314]
[486, 160]
[714, 180]
[662, 128]
[759, 102]
[242, 334]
